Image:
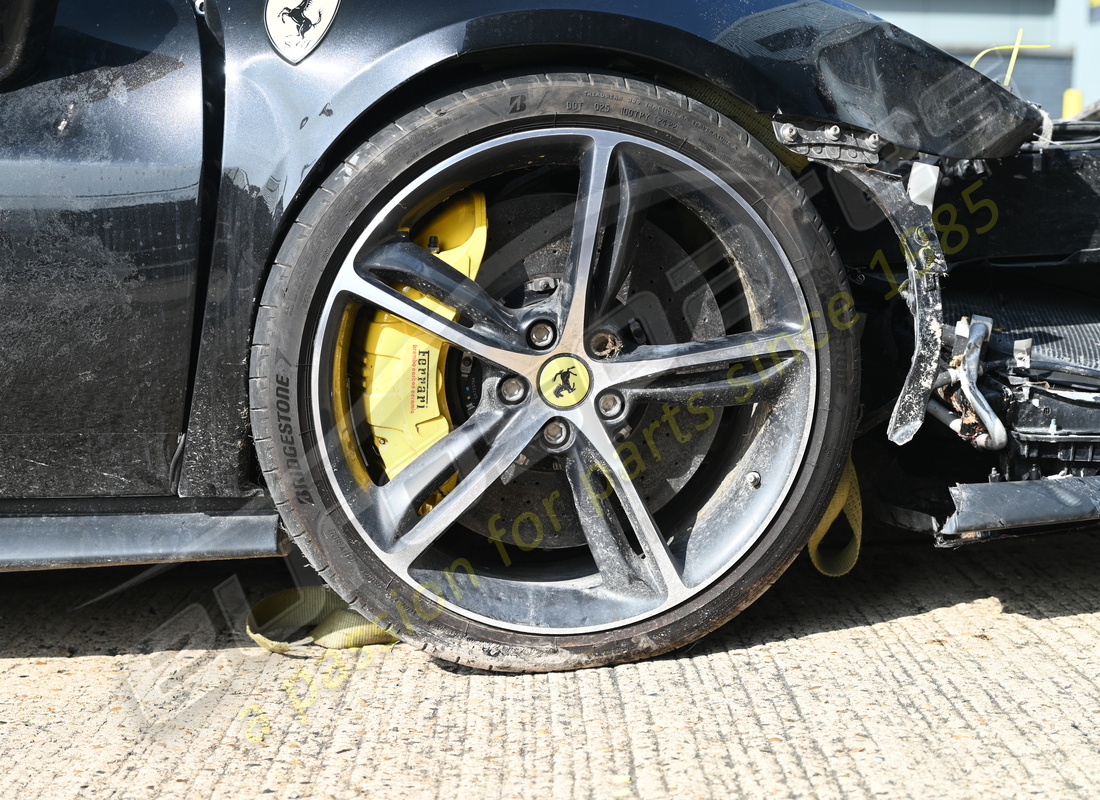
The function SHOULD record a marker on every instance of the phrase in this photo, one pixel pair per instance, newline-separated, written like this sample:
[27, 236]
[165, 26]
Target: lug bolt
[512, 390]
[541, 335]
[555, 433]
[752, 480]
[832, 133]
[611, 404]
[788, 132]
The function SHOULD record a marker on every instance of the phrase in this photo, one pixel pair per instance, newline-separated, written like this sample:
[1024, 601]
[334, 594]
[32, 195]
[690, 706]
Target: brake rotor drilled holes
[468, 386]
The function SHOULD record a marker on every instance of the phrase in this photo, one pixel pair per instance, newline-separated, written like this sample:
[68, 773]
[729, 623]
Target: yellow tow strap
[833, 562]
[337, 626]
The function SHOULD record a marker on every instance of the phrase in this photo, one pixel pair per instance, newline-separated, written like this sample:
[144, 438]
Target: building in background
[965, 28]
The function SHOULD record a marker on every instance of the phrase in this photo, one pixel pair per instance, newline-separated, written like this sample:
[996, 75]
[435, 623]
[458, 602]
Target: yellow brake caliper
[400, 366]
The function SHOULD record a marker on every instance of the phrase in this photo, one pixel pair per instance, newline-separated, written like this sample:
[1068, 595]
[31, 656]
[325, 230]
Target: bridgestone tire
[764, 465]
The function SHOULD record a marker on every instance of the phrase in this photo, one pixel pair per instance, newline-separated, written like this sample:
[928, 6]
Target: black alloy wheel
[592, 427]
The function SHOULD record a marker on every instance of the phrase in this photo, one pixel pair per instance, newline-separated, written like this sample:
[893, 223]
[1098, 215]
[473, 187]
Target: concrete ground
[924, 674]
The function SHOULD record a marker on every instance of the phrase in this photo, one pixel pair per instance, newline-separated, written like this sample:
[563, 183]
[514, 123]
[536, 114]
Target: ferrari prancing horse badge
[296, 27]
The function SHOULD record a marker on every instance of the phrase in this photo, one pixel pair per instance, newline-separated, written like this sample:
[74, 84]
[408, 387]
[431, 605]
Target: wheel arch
[500, 62]
[299, 152]
[693, 76]
[727, 69]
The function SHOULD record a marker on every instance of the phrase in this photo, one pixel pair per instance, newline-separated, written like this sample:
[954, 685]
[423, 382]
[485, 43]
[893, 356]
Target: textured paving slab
[925, 674]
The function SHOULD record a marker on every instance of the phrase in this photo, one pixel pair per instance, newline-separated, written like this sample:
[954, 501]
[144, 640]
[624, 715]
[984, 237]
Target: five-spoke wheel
[572, 389]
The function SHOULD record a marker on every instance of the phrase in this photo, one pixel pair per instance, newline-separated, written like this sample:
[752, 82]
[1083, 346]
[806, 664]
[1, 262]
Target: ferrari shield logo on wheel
[296, 27]
[564, 381]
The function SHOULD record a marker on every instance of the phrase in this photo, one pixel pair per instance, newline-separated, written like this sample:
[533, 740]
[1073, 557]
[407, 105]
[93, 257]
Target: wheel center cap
[564, 381]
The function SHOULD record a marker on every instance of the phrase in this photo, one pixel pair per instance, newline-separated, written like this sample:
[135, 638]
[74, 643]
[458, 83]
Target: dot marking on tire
[564, 381]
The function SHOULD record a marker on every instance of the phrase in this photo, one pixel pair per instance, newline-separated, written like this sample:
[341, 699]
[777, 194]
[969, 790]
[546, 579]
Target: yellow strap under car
[837, 562]
[337, 627]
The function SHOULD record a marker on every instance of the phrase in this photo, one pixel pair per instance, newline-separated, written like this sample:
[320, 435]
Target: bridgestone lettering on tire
[666, 441]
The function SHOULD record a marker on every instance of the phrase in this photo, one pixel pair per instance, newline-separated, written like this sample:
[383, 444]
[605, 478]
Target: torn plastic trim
[909, 209]
[1002, 509]
[984, 508]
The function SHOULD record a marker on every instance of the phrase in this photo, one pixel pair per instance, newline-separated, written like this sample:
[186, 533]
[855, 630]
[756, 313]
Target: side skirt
[46, 536]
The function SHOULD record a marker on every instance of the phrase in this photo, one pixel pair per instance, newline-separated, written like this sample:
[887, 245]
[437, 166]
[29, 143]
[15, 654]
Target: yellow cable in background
[1015, 48]
[1015, 53]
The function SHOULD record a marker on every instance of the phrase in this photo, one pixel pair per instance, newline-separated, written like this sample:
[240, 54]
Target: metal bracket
[829, 144]
[925, 262]
[1021, 353]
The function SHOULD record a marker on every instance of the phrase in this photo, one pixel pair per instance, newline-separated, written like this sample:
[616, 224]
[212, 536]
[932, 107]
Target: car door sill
[45, 540]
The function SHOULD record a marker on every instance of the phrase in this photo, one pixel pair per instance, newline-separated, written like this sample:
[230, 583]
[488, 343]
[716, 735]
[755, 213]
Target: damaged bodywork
[1010, 372]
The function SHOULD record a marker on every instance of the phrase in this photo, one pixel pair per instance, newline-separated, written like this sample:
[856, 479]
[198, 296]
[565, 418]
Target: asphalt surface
[924, 674]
